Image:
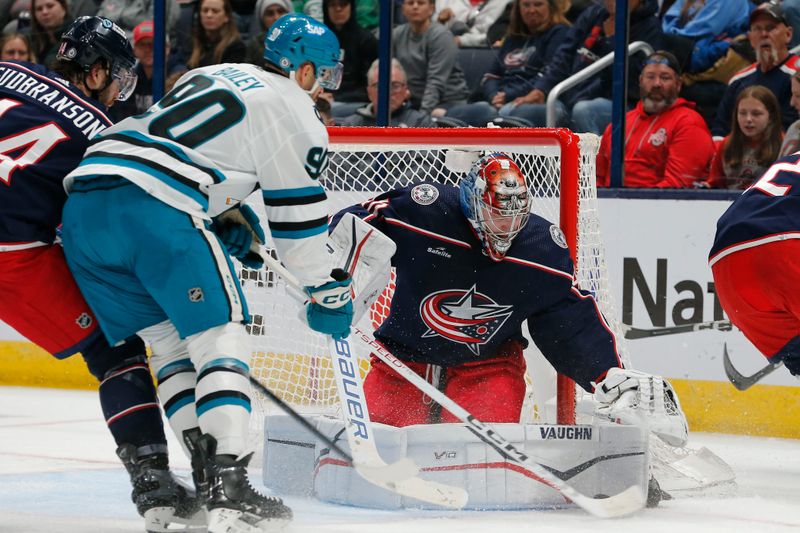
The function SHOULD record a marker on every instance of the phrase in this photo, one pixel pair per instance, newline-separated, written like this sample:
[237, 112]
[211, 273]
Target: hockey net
[293, 362]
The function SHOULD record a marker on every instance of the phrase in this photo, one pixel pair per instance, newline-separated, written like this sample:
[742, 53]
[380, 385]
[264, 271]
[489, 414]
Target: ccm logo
[334, 300]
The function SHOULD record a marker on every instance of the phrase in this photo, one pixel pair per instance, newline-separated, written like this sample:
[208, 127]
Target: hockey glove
[330, 308]
[237, 228]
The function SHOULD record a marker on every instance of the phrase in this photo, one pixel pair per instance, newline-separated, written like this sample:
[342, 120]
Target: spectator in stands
[312, 8]
[429, 56]
[215, 38]
[536, 31]
[590, 38]
[16, 47]
[791, 141]
[130, 13]
[469, 21]
[667, 143]
[266, 12]
[791, 10]
[360, 50]
[50, 19]
[754, 143]
[707, 26]
[769, 35]
[142, 97]
[401, 114]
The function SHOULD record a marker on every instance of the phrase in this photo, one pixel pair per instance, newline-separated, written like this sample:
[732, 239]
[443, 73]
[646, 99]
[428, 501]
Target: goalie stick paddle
[740, 381]
[399, 477]
[631, 332]
[626, 502]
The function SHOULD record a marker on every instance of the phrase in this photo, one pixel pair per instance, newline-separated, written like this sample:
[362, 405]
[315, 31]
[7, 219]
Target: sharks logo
[466, 317]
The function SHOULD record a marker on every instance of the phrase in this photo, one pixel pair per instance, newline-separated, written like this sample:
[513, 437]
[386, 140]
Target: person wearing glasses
[769, 36]
[401, 113]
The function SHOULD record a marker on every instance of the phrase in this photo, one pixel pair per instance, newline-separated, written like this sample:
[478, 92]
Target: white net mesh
[292, 361]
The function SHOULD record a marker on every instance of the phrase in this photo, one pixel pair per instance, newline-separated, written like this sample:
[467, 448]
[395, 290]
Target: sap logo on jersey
[466, 317]
[243, 80]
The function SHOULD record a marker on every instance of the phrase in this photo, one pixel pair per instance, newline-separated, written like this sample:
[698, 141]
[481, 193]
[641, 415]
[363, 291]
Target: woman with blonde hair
[16, 47]
[754, 142]
[215, 38]
[536, 30]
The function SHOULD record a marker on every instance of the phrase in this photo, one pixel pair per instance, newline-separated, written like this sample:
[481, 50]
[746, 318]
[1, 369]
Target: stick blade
[736, 379]
[626, 502]
[401, 477]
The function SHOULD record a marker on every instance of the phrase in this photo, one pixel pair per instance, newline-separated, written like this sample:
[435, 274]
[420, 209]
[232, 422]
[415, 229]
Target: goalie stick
[631, 332]
[399, 477]
[740, 381]
[626, 502]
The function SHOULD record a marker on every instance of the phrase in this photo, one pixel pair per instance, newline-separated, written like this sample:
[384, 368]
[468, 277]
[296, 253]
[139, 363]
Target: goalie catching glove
[237, 228]
[330, 306]
[640, 399]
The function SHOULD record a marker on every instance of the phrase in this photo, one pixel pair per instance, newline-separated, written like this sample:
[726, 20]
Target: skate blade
[231, 521]
[164, 520]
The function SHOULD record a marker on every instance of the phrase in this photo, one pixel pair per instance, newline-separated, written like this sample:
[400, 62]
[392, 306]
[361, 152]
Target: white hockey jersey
[222, 133]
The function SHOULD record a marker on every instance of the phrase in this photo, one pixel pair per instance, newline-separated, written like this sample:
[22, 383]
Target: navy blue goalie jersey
[45, 127]
[452, 304]
[768, 211]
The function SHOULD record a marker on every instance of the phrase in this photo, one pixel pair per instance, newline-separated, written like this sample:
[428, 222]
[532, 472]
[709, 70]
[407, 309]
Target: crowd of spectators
[713, 107]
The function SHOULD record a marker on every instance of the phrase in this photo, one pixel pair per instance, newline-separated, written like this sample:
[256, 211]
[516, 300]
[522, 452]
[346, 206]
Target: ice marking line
[51, 423]
[56, 458]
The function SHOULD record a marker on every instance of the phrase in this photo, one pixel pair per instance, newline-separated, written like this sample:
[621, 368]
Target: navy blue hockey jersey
[769, 210]
[452, 304]
[45, 126]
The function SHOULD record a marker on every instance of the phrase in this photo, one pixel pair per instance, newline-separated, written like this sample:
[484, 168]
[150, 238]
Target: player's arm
[575, 338]
[288, 166]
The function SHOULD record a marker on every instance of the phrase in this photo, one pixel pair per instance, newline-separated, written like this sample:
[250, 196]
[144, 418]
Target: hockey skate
[233, 506]
[165, 504]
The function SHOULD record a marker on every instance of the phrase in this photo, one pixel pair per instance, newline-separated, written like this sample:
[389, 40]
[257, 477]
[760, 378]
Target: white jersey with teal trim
[223, 132]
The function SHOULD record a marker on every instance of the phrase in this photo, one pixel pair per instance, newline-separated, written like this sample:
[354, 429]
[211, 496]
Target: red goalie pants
[759, 290]
[39, 299]
[492, 390]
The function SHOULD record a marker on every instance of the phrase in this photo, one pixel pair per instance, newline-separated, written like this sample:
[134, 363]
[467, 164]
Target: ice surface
[59, 474]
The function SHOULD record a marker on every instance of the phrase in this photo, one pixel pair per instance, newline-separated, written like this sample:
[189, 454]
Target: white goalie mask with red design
[496, 201]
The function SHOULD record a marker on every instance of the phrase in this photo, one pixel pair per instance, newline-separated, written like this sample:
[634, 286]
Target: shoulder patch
[424, 194]
[558, 236]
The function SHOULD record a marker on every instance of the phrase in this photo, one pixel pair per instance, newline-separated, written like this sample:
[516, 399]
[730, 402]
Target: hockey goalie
[473, 265]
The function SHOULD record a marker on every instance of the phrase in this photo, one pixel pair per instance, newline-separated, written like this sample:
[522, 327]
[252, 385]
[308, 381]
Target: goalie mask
[496, 201]
[295, 39]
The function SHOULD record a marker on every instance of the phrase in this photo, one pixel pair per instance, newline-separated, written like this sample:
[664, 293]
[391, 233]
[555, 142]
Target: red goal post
[364, 162]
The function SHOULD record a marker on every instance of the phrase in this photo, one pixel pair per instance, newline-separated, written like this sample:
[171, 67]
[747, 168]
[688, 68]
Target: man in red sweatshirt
[667, 142]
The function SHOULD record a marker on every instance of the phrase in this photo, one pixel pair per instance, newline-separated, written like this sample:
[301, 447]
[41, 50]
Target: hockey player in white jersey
[154, 215]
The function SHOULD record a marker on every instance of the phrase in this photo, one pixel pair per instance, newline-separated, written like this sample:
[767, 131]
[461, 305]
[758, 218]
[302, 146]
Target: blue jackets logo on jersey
[466, 317]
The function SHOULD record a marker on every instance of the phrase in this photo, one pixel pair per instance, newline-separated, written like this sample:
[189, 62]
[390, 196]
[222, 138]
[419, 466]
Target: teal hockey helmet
[295, 39]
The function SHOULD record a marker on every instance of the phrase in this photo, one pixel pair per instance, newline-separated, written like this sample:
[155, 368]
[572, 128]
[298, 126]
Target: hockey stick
[400, 476]
[626, 502]
[740, 381]
[368, 472]
[631, 332]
